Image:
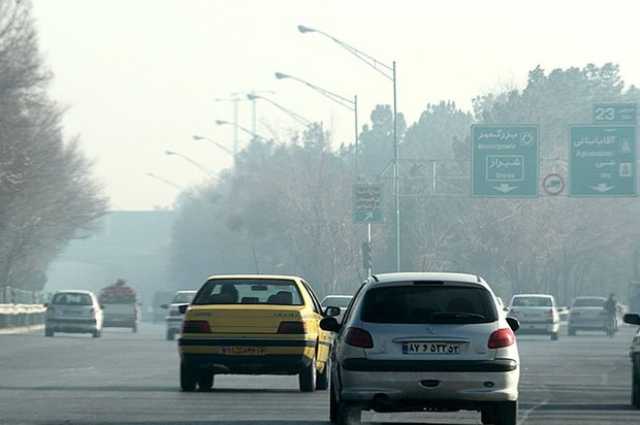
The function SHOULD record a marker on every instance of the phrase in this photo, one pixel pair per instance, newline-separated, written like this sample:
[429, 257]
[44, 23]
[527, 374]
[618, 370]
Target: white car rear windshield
[183, 297]
[589, 302]
[426, 303]
[249, 291]
[71, 299]
[532, 302]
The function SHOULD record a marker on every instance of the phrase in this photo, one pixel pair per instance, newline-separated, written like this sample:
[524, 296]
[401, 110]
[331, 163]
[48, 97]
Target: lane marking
[524, 417]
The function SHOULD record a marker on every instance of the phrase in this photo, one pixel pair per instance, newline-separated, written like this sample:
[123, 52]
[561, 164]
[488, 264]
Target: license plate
[431, 348]
[243, 351]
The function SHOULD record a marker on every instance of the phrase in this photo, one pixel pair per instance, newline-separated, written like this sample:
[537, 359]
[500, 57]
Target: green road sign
[505, 160]
[367, 203]
[615, 113]
[602, 161]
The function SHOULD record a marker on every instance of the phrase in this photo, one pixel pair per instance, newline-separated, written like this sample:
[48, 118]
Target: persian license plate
[243, 351]
[432, 348]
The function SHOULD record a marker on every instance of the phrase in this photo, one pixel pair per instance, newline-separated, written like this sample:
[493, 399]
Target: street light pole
[241, 128]
[189, 160]
[213, 142]
[389, 72]
[297, 117]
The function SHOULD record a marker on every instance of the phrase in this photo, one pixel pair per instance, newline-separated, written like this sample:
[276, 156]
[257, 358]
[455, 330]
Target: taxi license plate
[243, 351]
[431, 348]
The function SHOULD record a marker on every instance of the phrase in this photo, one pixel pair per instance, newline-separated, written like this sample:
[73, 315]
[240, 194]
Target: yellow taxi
[254, 324]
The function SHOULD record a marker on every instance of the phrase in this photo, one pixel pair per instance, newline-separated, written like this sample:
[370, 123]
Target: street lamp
[297, 117]
[191, 161]
[241, 128]
[165, 181]
[352, 105]
[389, 72]
[219, 145]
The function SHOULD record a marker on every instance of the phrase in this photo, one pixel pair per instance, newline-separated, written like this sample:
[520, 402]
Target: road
[130, 378]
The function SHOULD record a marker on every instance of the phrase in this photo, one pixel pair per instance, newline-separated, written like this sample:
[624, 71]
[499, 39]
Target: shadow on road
[584, 406]
[123, 388]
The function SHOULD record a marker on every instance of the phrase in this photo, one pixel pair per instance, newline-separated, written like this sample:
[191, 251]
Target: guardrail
[20, 315]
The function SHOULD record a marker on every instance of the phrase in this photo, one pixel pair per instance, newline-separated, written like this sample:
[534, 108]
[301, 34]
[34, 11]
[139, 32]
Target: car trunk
[245, 319]
[532, 314]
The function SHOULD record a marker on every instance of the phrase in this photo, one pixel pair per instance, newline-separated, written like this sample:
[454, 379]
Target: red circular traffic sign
[553, 184]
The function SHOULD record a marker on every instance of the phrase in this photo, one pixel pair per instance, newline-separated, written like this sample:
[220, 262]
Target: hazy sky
[140, 76]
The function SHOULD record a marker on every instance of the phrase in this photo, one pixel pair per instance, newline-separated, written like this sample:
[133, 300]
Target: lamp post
[241, 128]
[213, 142]
[189, 160]
[297, 117]
[352, 105]
[389, 72]
[165, 181]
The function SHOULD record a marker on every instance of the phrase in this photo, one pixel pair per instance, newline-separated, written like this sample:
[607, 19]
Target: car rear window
[589, 302]
[249, 291]
[183, 297]
[532, 302]
[342, 302]
[423, 303]
[71, 299]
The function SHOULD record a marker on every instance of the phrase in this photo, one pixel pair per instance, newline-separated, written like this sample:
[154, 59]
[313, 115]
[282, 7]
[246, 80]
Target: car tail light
[92, 313]
[502, 338]
[195, 327]
[357, 337]
[51, 311]
[291, 328]
[550, 313]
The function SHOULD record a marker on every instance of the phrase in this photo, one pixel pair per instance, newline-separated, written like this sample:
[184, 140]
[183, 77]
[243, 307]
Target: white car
[587, 314]
[634, 319]
[424, 341]
[74, 312]
[174, 317]
[537, 314]
[340, 301]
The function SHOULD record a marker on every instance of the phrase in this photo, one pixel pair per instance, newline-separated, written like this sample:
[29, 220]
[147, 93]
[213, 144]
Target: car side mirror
[513, 324]
[506, 309]
[45, 305]
[632, 319]
[182, 308]
[330, 324]
[164, 306]
[332, 311]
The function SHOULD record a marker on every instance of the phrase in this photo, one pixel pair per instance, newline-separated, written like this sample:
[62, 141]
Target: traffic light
[367, 261]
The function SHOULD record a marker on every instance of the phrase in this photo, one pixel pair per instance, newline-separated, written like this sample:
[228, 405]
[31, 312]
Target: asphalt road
[130, 378]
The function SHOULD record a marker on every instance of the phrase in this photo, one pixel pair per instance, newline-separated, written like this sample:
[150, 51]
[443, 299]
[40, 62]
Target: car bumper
[71, 325]
[399, 385]
[538, 327]
[598, 324]
[265, 356]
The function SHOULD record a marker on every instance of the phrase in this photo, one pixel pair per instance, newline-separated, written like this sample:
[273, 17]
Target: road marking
[524, 417]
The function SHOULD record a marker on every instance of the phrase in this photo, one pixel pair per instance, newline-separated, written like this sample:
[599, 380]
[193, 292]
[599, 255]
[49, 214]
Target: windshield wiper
[459, 317]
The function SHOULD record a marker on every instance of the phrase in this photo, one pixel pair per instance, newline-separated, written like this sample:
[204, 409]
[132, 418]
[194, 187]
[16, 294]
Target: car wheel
[307, 377]
[555, 336]
[187, 378]
[506, 413]
[205, 380]
[488, 415]
[572, 332]
[171, 334]
[635, 385]
[322, 380]
[96, 333]
[349, 413]
[333, 405]
[48, 332]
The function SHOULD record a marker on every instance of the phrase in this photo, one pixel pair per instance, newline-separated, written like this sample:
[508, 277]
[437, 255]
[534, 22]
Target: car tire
[322, 379]
[187, 378]
[349, 414]
[555, 336]
[506, 413]
[49, 332]
[96, 333]
[205, 380]
[333, 405]
[572, 332]
[307, 377]
[171, 334]
[488, 415]
[635, 382]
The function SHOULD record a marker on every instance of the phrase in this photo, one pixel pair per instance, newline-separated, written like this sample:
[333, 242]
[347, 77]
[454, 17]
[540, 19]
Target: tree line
[48, 195]
[286, 207]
